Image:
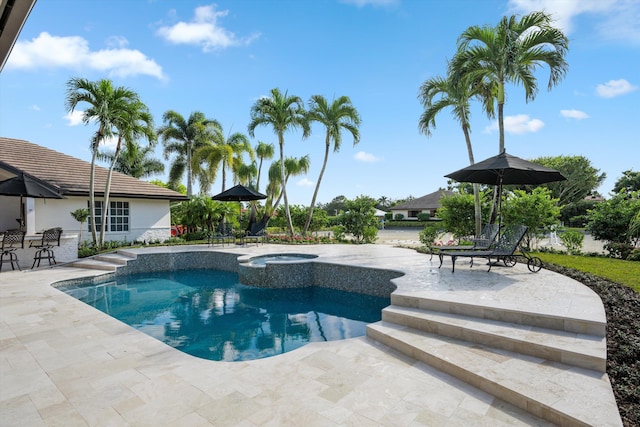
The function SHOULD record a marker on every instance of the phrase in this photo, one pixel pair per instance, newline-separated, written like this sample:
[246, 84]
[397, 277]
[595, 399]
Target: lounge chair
[503, 249]
[484, 240]
[257, 233]
[11, 241]
[224, 234]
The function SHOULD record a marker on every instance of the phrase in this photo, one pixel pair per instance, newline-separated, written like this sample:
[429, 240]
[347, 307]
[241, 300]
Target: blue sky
[218, 58]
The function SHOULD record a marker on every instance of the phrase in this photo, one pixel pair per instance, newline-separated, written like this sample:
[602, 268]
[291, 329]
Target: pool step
[570, 348]
[484, 311]
[107, 262]
[559, 393]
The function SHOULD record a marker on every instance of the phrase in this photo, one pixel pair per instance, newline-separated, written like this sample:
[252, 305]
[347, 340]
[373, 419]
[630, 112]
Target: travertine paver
[65, 363]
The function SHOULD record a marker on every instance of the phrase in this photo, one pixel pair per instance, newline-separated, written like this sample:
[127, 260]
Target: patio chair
[256, 233]
[503, 250]
[11, 241]
[484, 240]
[44, 246]
[223, 235]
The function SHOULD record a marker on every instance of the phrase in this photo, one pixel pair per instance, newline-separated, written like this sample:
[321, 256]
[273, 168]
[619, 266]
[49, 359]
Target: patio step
[559, 393]
[484, 311]
[107, 262]
[115, 258]
[570, 348]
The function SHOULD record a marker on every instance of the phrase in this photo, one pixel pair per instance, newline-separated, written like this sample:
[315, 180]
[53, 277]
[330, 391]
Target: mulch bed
[622, 307]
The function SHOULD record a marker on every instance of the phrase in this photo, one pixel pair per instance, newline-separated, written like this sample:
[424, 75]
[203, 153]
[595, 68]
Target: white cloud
[614, 88]
[204, 30]
[35, 107]
[362, 156]
[517, 125]
[74, 118]
[574, 114]
[47, 51]
[374, 3]
[614, 19]
[304, 182]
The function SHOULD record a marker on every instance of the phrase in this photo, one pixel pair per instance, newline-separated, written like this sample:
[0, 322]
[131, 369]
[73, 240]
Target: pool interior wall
[364, 280]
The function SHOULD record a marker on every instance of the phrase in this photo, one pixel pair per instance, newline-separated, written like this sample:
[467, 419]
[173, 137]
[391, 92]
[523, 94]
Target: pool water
[209, 314]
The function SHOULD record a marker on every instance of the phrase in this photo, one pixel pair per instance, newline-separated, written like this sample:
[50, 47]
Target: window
[117, 216]
[414, 214]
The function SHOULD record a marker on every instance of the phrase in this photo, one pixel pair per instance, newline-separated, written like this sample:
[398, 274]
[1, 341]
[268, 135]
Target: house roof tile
[71, 175]
[430, 201]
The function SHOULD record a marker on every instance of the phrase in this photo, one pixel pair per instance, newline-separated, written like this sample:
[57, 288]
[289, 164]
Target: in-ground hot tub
[287, 270]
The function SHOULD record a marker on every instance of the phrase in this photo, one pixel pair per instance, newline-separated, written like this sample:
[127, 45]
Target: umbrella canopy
[25, 186]
[505, 169]
[239, 193]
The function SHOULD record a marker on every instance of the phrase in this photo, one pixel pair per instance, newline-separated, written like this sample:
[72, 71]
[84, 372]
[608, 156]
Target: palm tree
[292, 167]
[133, 123]
[438, 93]
[510, 53]
[135, 160]
[184, 137]
[282, 112]
[264, 151]
[107, 105]
[341, 114]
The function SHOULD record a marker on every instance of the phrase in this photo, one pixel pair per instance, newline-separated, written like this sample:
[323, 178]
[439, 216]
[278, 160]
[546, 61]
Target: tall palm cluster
[198, 146]
[488, 58]
[120, 114]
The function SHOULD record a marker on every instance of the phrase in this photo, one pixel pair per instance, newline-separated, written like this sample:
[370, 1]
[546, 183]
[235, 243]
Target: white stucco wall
[149, 220]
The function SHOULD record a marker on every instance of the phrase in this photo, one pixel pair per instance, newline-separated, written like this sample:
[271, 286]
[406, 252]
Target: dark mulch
[622, 306]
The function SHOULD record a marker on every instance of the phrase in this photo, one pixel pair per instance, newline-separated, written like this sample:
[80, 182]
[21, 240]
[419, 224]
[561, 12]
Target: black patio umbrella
[239, 193]
[23, 185]
[505, 169]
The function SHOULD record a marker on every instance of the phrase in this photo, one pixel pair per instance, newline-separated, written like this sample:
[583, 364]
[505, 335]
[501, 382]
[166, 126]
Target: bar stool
[50, 238]
[11, 240]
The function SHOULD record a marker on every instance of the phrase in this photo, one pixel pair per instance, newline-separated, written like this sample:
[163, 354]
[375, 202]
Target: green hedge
[411, 224]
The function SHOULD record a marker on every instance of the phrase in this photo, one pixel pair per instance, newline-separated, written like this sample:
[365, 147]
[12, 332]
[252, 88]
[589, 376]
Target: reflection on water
[208, 314]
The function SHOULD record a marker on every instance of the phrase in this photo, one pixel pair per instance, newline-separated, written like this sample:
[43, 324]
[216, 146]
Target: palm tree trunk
[494, 207]
[476, 187]
[189, 191]
[315, 193]
[107, 191]
[284, 186]
[92, 197]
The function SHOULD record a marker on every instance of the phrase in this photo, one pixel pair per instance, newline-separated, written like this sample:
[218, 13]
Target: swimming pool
[209, 314]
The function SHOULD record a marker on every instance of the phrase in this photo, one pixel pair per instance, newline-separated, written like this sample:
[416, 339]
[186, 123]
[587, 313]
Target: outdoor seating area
[44, 246]
[223, 235]
[256, 233]
[11, 241]
[484, 240]
[501, 250]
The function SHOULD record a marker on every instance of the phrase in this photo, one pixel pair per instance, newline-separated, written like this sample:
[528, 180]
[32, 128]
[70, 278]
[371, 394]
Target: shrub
[195, 235]
[398, 217]
[572, 240]
[86, 251]
[423, 216]
[338, 232]
[430, 233]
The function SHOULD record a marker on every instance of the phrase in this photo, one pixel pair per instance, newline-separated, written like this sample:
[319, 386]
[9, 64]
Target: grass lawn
[625, 273]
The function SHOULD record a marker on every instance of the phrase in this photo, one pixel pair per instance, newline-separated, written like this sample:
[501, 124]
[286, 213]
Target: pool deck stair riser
[575, 325]
[107, 262]
[553, 373]
[584, 351]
